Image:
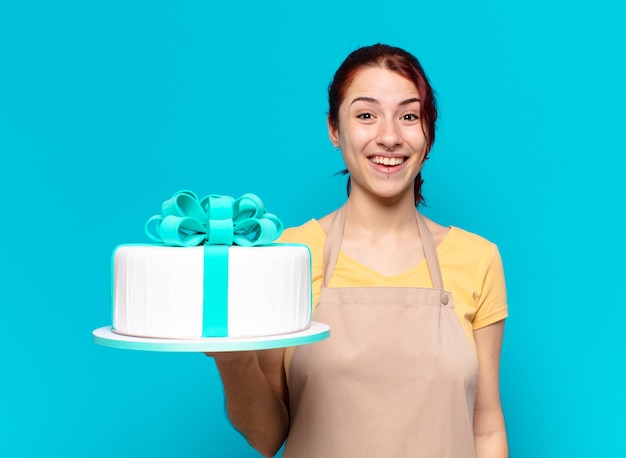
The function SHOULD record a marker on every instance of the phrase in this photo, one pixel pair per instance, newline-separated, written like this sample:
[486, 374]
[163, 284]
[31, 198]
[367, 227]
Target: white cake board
[316, 332]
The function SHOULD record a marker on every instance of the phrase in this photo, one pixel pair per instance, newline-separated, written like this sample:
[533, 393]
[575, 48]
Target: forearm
[254, 409]
[490, 440]
[489, 427]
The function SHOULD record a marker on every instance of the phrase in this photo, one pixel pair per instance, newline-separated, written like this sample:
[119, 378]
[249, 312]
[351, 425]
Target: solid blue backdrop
[107, 108]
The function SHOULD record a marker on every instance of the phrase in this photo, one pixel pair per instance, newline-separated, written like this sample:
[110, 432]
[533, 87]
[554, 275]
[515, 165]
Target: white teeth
[387, 160]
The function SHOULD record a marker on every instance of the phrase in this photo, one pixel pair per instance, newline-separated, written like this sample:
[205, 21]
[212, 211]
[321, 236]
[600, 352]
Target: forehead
[381, 84]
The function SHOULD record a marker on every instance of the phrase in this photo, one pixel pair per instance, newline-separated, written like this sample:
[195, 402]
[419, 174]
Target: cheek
[357, 135]
[417, 141]
[426, 137]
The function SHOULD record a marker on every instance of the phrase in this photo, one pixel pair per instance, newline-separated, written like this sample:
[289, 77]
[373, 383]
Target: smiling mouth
[389, 161]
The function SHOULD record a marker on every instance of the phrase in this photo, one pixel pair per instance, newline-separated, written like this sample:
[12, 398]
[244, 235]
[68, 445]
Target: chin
[393, 194]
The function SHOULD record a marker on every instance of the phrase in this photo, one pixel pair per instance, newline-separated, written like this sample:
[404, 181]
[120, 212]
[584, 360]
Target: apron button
[444, 299]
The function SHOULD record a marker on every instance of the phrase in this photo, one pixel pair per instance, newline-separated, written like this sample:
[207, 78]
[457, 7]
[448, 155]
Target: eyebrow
[373, 100]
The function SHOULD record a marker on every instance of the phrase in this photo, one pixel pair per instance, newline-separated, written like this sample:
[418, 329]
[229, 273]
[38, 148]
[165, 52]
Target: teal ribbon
[215, 296]
[215, 222]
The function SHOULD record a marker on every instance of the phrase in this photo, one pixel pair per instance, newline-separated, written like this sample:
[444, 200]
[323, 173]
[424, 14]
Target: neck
[377, 216]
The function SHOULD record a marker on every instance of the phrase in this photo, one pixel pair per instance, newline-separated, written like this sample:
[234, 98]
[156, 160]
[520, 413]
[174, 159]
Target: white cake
[161, 291]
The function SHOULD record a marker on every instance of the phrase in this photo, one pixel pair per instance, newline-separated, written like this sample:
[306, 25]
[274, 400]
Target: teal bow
[216, 220]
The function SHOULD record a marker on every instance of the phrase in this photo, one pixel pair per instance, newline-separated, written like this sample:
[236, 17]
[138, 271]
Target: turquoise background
[107, 108]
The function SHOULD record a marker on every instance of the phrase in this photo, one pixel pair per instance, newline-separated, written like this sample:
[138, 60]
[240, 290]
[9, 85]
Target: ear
[333, 133]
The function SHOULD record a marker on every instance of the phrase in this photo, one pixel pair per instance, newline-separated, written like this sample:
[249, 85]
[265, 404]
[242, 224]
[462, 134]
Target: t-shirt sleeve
[313, 236]
[309, 234]
[491, 303]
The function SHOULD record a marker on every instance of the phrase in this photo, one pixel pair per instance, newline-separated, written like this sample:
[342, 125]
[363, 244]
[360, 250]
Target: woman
[416, 309]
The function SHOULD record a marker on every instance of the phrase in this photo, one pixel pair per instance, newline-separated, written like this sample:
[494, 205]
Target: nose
[388, 133]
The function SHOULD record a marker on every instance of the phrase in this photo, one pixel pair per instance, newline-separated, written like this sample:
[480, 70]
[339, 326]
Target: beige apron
[396, 378]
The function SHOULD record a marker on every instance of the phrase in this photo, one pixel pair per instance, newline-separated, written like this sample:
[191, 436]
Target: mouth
[388, 161]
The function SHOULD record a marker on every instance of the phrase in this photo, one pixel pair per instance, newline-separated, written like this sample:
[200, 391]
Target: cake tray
[316, 332]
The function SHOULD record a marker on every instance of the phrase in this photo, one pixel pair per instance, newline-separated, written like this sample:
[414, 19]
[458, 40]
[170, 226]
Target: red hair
[396, 60]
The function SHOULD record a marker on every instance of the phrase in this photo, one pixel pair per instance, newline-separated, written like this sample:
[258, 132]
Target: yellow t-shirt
[471, 269]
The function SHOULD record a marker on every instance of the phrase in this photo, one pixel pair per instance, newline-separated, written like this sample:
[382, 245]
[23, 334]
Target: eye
[365, 116]
[410, 117]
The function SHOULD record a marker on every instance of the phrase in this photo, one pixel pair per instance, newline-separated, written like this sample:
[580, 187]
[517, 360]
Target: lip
[388, 170]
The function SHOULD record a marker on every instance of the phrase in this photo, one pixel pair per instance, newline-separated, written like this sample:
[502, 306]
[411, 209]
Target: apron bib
[396, 378]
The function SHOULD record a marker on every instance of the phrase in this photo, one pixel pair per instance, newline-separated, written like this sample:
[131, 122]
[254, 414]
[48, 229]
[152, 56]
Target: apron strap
[332, 246]
[430, 252]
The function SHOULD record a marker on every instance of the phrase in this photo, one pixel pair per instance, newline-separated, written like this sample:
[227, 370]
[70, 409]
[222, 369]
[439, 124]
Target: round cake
[208, 291]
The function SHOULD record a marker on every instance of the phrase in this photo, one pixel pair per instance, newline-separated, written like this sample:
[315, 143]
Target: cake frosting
[214, 272]
[161, 292]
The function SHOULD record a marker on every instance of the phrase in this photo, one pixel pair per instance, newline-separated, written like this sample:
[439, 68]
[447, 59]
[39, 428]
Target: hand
[255, 389]
[233, 360]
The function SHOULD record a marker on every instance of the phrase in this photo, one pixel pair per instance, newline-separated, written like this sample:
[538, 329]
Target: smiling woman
[416, 309]
[381, 133]
[402, 64]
